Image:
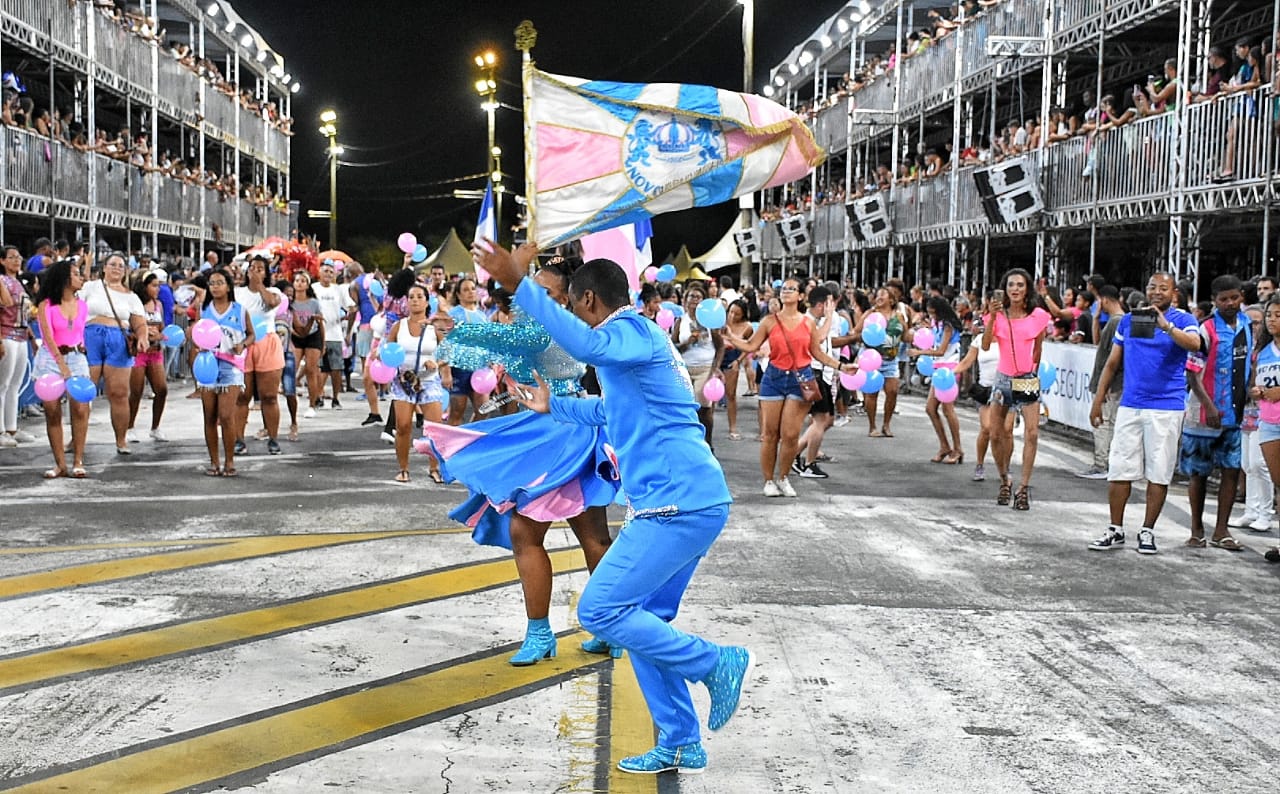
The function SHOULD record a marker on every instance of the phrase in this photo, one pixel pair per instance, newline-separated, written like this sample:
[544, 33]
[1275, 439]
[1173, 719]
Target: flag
[486, 226]
[603, 154]
[627, 245]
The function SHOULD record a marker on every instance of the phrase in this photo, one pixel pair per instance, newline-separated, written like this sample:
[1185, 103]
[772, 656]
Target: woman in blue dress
[527, 470]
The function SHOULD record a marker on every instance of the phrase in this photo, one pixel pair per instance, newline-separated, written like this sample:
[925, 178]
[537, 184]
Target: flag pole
[526, 38]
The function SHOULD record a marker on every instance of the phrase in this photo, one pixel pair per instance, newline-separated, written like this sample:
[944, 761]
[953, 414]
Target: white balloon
[378, 325]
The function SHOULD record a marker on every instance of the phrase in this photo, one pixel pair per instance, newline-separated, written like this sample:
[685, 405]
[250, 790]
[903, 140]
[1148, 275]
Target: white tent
[723, 254]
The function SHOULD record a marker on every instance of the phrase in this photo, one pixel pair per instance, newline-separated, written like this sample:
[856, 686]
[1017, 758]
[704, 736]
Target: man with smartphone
[1150, 347]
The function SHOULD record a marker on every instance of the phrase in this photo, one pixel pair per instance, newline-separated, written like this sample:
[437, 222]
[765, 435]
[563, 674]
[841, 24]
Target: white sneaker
[7, 440]
[1260, 524]
[131, 436]
[159, 436]
[841, 421]
[310, 414]
[784, 485]
[387, 437]
[24, 437]
[771, 488]
[1246, 519]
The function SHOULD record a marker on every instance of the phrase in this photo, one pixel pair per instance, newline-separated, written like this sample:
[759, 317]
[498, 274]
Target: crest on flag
[604, 154]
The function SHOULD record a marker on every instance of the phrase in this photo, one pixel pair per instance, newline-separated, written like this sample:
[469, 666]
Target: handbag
[130, 341]
[809, 390]
[1028, 384]
[410, 381]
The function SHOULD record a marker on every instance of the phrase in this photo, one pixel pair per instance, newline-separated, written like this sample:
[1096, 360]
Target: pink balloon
[666, 318]
[870, 359]
[947, 395]
[651, 273]
[853, 380]
[484, 380]
[380, 372]
[407, 242]
[206, 334]
[872, 318]
[923, 340]
[50, 387]
[713, 390]
[283, 307]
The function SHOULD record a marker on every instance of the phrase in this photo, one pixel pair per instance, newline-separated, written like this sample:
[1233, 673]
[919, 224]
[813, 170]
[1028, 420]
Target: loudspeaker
[795, 233]
[872, 213]
[748, 241]
[1009, 191]
[855, 228]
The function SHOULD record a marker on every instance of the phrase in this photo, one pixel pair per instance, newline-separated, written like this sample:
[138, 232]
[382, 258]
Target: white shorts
[1144, 445]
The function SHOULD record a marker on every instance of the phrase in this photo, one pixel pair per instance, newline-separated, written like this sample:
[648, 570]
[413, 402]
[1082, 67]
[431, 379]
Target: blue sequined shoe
[688, 759]
[599, 646]
[539, 643]
[725, 683]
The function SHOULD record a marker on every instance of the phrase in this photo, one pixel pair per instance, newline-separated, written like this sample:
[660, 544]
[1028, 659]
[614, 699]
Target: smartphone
[999, 296]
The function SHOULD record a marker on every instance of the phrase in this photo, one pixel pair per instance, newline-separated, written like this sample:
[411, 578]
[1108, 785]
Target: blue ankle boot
[689, 759]
[539, 643]
[599, 646]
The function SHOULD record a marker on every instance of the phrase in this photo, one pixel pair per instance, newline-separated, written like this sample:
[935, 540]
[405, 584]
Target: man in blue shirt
[42, 258]
[1150, 347]
[679, 500]
[1219, 378]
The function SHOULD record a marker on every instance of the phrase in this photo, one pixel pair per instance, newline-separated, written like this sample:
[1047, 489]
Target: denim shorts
[1200, 455]
[461, 383]
[46, 364]
[780, 384]
[364, 341]
[289, 376]
[1002, 392]
[105, 344]
[889, 369]
[229, 377]
[1266, 431]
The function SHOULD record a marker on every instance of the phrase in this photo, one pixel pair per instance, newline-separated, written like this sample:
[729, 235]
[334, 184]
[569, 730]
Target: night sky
[401, 76]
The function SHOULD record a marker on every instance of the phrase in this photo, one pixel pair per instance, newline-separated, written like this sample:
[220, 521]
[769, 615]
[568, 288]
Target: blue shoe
[539, 643]
[725, 683]
[688, 759]
[597, 645]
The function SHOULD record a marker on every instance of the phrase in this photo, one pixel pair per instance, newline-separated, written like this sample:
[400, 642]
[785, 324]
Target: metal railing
[1227, 136]
[71, 174]
[28, 161]
[176, 83]
[1070, 13]
[831, 126]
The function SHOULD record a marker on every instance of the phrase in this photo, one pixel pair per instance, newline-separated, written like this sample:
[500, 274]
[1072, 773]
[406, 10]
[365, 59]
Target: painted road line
[130, 567]
[26, 670]
[630, 730]
[92, 499]
[243, 751]
[164, 544]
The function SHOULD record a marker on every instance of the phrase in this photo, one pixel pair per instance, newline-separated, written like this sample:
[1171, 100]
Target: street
[312, 625]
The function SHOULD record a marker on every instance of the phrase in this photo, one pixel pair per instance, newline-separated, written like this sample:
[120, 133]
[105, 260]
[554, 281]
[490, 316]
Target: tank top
[988, 363]
[410, 344]
[13, 319]
[701, 353]
[67, 334]
[232, 324]
[1268, 377]
[951, 353]
[789, 350]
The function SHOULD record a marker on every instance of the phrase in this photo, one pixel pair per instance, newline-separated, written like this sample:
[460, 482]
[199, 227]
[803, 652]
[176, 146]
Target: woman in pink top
[1016, 323]
[62, 319]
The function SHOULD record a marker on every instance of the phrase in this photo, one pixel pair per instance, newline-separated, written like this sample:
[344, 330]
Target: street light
[329, 129]
[487, 87]
[746, 203]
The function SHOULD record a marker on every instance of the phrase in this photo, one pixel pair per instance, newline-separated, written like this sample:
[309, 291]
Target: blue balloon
[943, 378]
[433, 304]
[205, 368]
[174, 336]
[81, 389]
[710, 313]
[873, 335]
[376, 289]
[419, 253]
[925, 365]
[875, 382]
[667, 273]
[1048, 375]
[392, 354]
[777, 283]
[261, 328]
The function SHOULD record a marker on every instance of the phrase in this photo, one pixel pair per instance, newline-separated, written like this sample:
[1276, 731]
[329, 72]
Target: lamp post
[329, 129]
[746, 204]
[487, 88]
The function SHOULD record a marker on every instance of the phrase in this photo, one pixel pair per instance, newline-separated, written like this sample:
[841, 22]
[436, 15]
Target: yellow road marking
[149, 644]
[239, 549]
[290, 737]
[630, 730]
[162, 544]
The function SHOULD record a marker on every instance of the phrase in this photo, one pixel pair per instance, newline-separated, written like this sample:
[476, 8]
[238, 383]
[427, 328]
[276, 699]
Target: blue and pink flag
[603, 154]
[486, 227]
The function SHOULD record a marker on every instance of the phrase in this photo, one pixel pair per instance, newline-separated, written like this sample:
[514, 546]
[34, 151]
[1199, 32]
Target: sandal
[78, 472]
[1229, 543]
[873, 433]
[293, 432]
[1194, 543]
[885, 432]
[230, 471]
[1022, 499]
[213, 471]
[435, 476]
[941, 456]
[735, 436]
[1272, 555]
[1006, 491]
[954, 457]
[53, 474]
[403, 476]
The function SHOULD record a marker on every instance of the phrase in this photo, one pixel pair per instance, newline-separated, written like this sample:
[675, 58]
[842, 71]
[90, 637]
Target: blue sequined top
[520, 347]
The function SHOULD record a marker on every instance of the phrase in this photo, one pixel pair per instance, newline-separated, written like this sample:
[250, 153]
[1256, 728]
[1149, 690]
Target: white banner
[1069, 399]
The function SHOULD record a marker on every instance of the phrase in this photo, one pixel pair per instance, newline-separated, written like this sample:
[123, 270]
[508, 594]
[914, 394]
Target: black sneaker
[814, 472]
[241, 447]
[797, 465]
[1114, 539]
[335, 405]
[372, 419]
[273, 448]
[1146, 541]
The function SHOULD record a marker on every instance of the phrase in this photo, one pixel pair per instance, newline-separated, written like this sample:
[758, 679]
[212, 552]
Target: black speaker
[855, 227]
[748, 241]
[795, 233]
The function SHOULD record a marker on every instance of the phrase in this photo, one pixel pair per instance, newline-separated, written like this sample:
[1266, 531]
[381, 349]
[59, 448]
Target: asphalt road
[313, 626]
